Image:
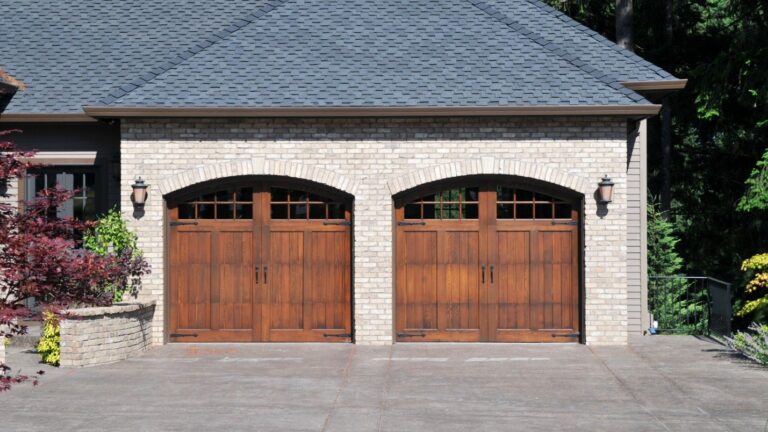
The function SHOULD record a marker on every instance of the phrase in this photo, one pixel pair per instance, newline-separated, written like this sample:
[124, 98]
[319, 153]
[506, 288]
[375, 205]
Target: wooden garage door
[260, 263]
[488, 262]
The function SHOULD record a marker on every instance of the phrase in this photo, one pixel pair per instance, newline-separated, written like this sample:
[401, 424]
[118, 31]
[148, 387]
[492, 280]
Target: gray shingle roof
[577, 42]
[72, 53]
[310, 53]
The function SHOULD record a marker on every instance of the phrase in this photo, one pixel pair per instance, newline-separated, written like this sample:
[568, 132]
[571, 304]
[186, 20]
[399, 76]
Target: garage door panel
[233, 294]
[541, 292]
[459, 281]
[285, 281]
[420, 293]
[554, 263]
[513, 281]
[329, 282]
[193, 270]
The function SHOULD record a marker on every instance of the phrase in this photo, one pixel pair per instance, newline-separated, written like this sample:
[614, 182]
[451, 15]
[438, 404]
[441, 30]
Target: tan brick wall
[374, 158]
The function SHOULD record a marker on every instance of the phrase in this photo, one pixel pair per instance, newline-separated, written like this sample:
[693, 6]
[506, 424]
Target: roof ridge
[630, 55]
[207, 41]
[554, 48]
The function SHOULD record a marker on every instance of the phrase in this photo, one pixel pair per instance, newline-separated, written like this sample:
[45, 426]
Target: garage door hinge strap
[341, 335]
[345, 223]
[554, 222]
[411, 334]
[566, 335]
[411, 223]
[175, 223]
[183, 335]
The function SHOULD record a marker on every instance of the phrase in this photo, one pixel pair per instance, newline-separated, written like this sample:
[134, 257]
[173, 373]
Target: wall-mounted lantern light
[139, 192]
[605, 190]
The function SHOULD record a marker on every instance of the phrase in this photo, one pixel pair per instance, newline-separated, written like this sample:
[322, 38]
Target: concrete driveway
[655, 384]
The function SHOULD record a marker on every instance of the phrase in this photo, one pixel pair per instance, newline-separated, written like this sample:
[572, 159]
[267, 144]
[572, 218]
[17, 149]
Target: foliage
[111, 236]
[675, 302]
[49, 346]
[663, 259]
[756, 195]
[678, 305]
[42, 257]
[8, 379]
[598, 14]
[720, 121]
[757, 263]
[752, 344]
[757, 268]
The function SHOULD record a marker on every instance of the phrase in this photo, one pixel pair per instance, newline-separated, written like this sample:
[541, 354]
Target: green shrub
[678, 306]
[112, 236]
[663, 259]
[756, 195]
[672, 299]
[49, 346]
[752, 344]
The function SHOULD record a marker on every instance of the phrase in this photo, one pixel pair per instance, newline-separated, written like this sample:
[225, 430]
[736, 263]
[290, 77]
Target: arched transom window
[283, 203]
[235, 203]
[464, 203]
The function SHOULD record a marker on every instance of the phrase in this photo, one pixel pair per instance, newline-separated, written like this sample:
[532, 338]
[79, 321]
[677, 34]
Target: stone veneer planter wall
[95, 336]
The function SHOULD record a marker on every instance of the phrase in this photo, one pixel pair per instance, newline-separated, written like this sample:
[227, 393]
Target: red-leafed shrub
[42, 257]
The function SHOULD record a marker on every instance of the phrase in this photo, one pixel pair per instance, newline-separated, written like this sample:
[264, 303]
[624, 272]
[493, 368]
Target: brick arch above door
[256, 167]
[487, 166]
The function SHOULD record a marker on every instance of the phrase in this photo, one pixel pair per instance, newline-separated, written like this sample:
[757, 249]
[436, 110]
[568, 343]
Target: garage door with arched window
[487, 260]
[252, 260]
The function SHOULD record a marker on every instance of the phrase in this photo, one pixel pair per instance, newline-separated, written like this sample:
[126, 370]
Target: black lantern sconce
[139, 192]
[605, 190]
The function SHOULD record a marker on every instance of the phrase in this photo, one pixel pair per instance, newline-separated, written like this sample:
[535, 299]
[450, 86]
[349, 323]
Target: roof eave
[656, 90]
[639, 111]
[46, 118]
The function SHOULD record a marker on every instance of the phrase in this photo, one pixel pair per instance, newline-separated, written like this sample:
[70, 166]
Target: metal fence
[697, 305]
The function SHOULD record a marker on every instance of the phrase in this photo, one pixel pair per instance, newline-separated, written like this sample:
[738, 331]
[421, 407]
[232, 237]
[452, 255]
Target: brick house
[399, 170]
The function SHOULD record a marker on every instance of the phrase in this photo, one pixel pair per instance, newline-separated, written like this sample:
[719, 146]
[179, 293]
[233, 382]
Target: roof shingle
[312, 53]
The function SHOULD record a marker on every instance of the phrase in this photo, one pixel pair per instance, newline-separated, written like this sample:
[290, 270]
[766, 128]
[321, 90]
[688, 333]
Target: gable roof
[71, 53]
[298, 54]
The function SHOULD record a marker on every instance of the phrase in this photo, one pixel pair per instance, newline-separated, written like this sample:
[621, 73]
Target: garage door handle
[491, 274]
[482, 277]
[265, 274]
[257, 274]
